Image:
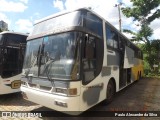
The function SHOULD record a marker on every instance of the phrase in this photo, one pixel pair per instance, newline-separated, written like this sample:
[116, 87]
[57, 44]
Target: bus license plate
[16, 84]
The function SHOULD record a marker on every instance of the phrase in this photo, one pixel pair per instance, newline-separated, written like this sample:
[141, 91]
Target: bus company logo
[6, 114]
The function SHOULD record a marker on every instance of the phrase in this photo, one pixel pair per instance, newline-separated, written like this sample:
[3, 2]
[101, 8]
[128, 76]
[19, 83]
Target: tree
[143, 11]
[1, 30]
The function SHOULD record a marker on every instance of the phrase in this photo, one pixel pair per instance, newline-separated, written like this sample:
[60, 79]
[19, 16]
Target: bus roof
[58, 14]
[17, 33]
[69, 11]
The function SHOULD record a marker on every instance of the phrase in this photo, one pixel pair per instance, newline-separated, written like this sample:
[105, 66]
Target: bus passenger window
[122, 44]
[1, 40]
[93, 23]
[115, 44]
[89, 60]
[111, 37]
[90, 49]
[92, 59]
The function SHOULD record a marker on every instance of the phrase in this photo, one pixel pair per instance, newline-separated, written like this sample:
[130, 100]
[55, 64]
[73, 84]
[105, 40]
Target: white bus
[12, 51]
[74, 60]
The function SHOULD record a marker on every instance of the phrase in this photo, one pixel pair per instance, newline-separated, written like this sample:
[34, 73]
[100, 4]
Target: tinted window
[93, 23]
[13, 39]
[66, 20]
[92, 60]
[138, 54]
[1, 40]
[111, 37]
[54, 55]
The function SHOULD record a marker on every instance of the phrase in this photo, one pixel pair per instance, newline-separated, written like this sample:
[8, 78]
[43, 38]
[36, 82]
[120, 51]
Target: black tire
[110, 92]
[138, 76]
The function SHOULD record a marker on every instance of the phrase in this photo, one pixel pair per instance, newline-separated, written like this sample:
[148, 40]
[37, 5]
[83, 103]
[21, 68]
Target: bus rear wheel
[110, 92]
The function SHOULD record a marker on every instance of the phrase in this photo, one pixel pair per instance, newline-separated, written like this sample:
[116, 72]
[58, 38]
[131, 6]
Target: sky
[22, 14]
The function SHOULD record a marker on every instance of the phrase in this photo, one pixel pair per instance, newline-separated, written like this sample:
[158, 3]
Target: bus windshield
[56, 56]
[15, 40]
[12, 52]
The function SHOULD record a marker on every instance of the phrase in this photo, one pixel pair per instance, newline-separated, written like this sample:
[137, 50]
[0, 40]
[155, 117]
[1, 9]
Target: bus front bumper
[68, 105]
[6, 88]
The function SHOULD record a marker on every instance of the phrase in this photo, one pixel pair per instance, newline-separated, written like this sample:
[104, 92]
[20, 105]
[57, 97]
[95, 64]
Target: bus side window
[1, 39]
[111, 37]
[121, 44]
[136, 53]
[90, 48]
[89, 59]
[93, 23]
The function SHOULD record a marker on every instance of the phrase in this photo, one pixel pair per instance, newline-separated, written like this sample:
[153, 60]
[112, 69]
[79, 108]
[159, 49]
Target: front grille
[32, 85]
[45, 88]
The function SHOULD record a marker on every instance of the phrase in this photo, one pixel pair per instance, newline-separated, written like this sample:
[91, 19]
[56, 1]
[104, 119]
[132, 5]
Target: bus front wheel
[110, 92]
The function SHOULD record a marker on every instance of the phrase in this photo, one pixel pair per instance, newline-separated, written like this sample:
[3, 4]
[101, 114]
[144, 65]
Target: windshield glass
[56, 24]
[12, 55]
[15, 39]
[66, 20]
[31, 56]
[55, 56]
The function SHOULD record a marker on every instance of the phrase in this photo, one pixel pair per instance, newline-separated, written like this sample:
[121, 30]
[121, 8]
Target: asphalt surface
[143, 95]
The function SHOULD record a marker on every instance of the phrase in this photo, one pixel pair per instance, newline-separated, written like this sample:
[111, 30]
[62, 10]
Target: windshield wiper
[47, 70]
[33, 60]
[40, 58]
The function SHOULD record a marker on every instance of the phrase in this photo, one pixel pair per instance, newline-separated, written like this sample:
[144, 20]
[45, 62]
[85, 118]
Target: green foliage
[142, 35]
[145, 11]
[145, 31]
[0, 30]
[141, 9]
[153, 58]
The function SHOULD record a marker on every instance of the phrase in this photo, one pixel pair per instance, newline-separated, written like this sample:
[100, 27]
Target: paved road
[143, 95]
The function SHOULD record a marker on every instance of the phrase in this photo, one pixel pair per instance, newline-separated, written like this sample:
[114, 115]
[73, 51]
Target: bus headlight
[61, 90]
[67, 91]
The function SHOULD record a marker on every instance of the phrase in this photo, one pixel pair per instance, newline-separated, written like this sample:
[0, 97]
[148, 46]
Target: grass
[153, 74]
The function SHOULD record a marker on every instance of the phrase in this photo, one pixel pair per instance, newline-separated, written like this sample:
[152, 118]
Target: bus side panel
[113, 69]
[95, 91]
[128, 58]
[137, 69]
